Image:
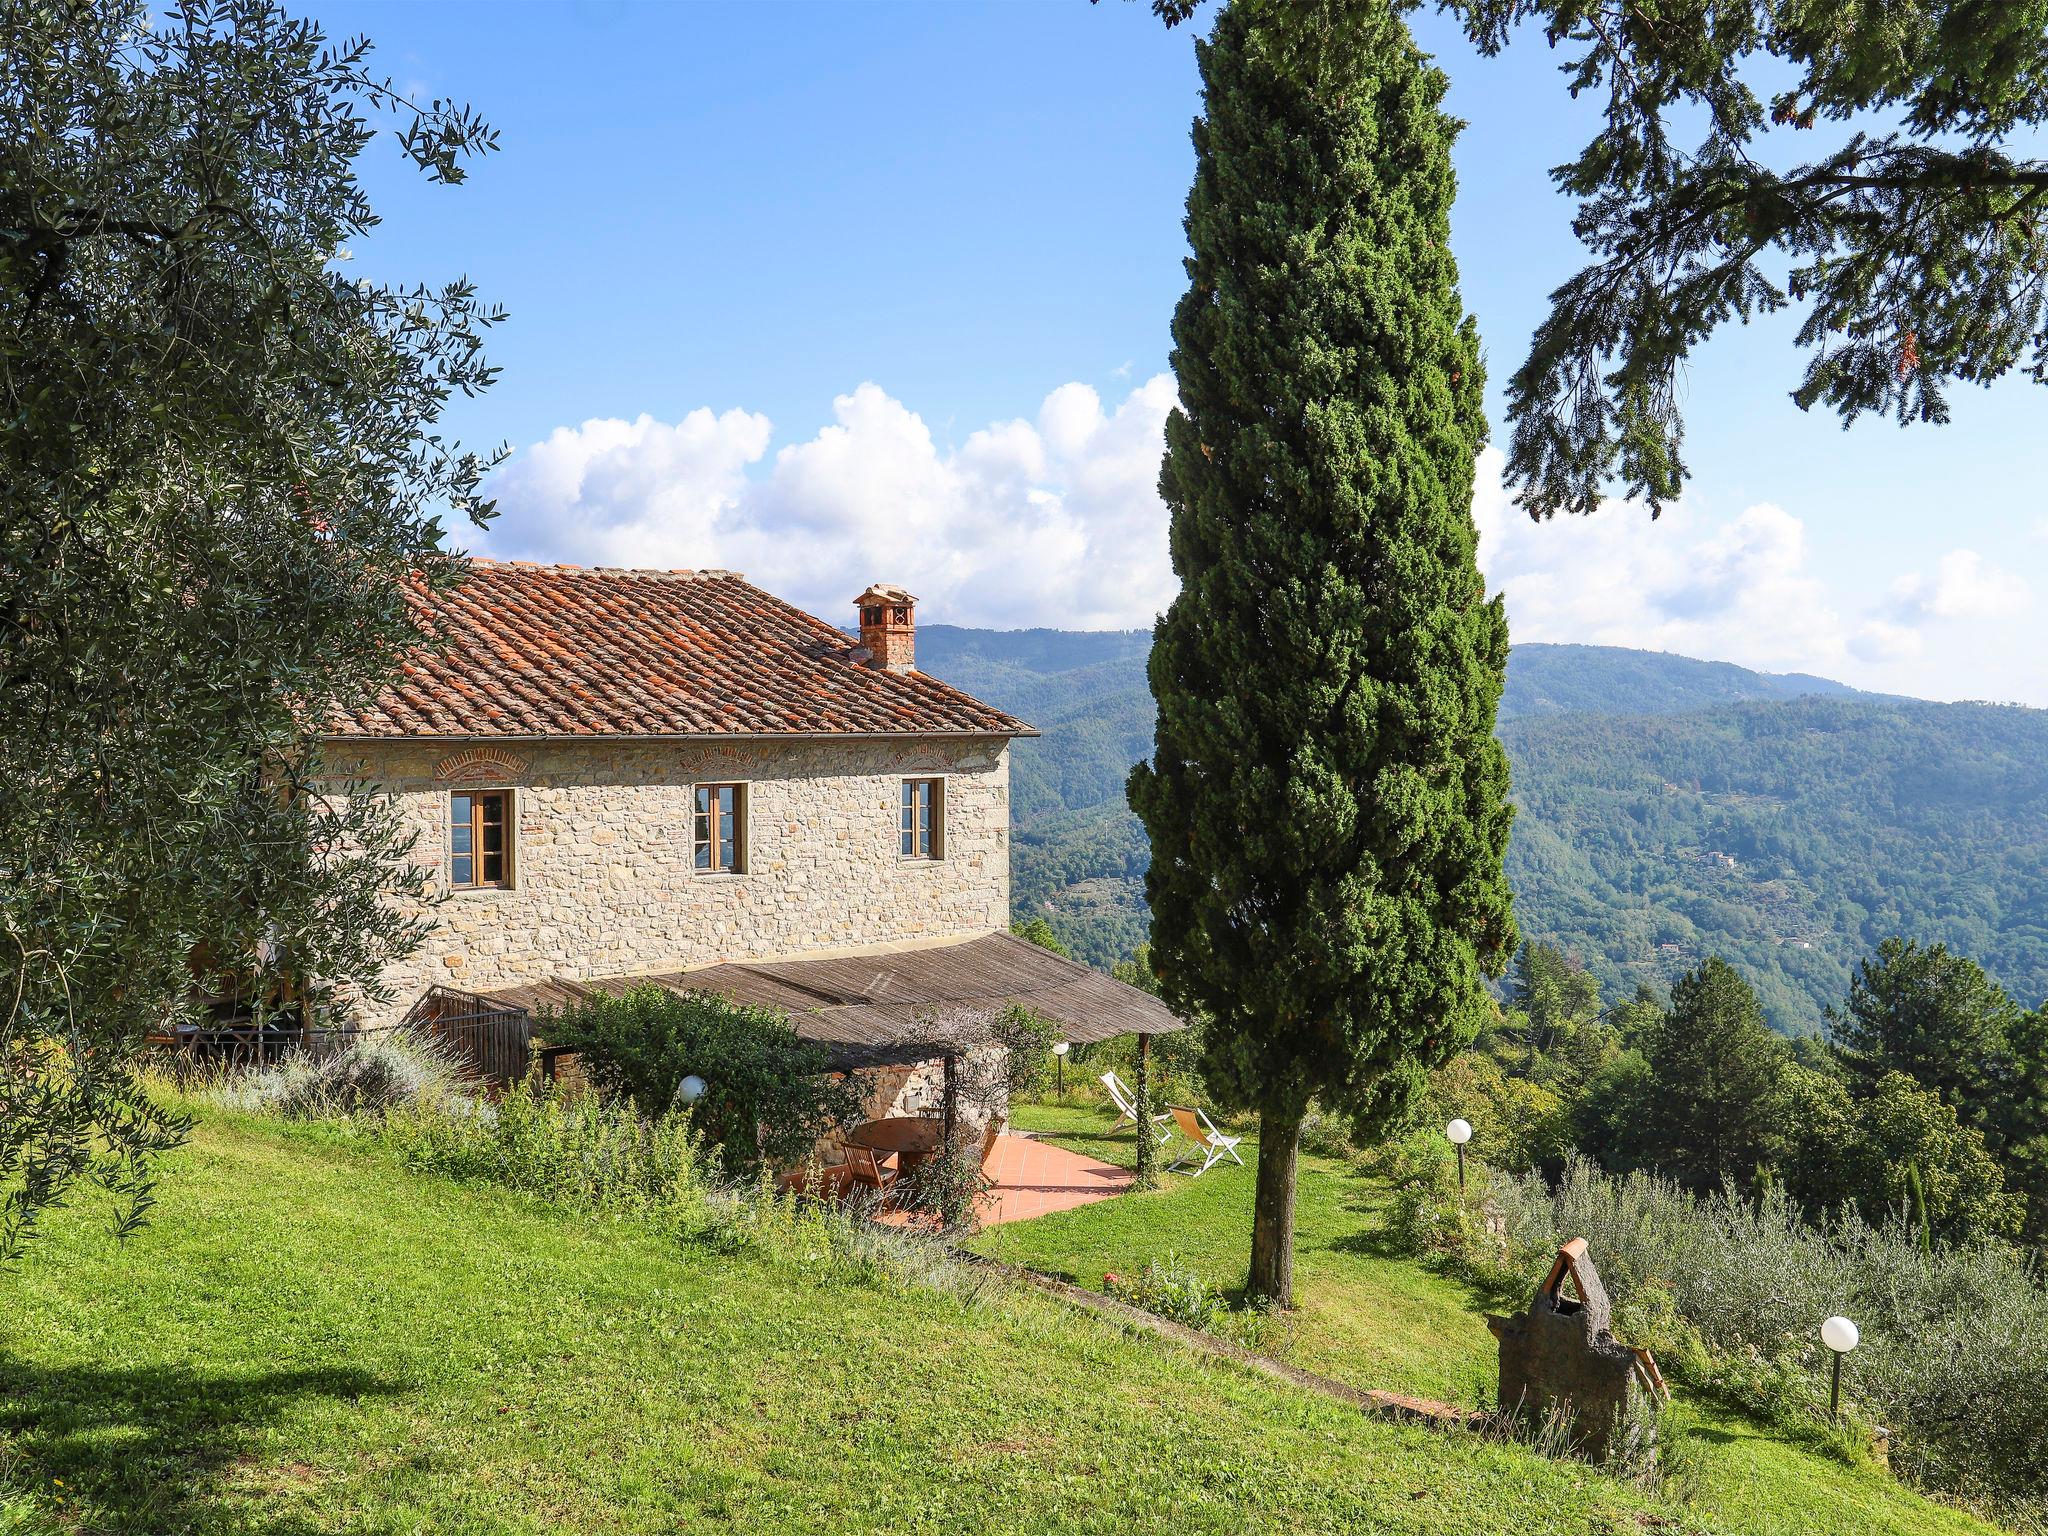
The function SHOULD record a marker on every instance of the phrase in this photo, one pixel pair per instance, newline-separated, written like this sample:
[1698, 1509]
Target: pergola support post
[1146, 1173]
[949, 1112]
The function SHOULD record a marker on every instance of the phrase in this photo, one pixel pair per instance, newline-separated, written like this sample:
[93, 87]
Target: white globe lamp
[1459, 1132]
[690, 1089]
[1059, 1065]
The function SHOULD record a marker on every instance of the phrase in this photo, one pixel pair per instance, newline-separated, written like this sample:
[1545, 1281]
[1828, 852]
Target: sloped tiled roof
[558, 650]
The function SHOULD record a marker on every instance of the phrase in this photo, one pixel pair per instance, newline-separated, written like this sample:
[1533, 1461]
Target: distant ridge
[1543, 679]
[1608, 680]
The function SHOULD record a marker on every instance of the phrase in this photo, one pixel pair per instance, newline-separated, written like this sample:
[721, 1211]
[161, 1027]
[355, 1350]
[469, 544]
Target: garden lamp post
[1059, 1065]
[690, 1089]
[1840, 1335]
[1460, 1132]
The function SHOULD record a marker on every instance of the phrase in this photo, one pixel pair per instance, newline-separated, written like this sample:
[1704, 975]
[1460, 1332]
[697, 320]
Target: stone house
[622, 774]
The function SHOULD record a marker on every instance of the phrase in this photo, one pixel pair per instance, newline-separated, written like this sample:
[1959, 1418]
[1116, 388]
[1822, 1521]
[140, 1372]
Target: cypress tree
[1326, 803]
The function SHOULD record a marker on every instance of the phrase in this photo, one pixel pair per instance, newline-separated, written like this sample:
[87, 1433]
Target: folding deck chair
[1127, 1107]
[1204, 1141]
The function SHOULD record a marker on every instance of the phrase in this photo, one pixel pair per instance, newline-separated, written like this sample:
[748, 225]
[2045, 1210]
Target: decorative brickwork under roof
[556, 650]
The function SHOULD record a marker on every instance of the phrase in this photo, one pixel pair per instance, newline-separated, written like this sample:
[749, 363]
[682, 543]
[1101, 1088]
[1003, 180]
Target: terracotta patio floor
[1034, 1178]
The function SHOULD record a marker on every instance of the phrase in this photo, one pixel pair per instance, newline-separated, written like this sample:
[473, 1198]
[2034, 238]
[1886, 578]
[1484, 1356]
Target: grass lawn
[1373, 1319]
[308, 1339]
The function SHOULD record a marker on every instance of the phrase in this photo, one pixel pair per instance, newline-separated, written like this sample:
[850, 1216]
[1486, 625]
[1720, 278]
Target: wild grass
[312, 1337]
[362, 1074]
[1373, 1314]
[1170, 1289]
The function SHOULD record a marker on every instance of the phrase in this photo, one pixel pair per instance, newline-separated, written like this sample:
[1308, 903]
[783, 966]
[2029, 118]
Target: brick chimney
[888, 627]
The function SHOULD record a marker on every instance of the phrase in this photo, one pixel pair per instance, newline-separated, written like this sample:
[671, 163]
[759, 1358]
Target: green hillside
[1670, 808]
[1085, 691]
[1789, 838]
[309, 1340]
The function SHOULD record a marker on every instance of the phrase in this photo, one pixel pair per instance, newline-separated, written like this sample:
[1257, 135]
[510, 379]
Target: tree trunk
[1272, 1273]
[1147, 1168]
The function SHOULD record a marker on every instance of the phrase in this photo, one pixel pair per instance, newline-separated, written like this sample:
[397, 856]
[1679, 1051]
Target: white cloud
[1055, 521]
[1737, 589]
[1747, 588]
[1879, 643]
[636, 493]
[1962, 587]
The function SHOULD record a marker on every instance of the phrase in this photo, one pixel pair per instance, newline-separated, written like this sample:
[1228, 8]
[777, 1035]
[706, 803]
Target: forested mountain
[1789, 838]
[1085, 692]
[1606, 680]
[1670, 809]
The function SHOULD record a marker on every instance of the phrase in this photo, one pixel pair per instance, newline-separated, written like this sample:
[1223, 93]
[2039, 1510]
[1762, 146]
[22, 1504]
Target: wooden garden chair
[866, 1170]
[1204, 1141]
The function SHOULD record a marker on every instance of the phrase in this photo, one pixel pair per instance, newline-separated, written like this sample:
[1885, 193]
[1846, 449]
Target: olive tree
[220, 473]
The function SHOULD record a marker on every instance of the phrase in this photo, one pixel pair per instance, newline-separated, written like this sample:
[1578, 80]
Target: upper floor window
[721, 828]
[480, 838]
[923, 829]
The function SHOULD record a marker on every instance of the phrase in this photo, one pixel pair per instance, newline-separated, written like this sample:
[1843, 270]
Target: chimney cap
[885, 592]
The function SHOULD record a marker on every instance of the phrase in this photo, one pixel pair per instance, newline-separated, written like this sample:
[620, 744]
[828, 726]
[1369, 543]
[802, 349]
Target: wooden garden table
[910, 1137]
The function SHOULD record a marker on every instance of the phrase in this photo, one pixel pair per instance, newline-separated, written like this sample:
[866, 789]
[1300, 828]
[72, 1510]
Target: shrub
[1038, 931]
[1170, 1290]
[946, 1187]
[577, 1151]
[1325, 1135]
[1731, 1292]
[1428, 1216]
[363, 1074]
[1027, 1039]
[769, 1094]
[1176, 1059]
[1515, 1123]
[1900, 1147]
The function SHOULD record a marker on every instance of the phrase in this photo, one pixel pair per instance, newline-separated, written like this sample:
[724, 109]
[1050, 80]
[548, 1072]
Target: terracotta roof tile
[536, 650]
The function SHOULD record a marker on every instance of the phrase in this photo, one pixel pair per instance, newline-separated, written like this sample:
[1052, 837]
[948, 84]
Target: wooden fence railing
[494, 1042]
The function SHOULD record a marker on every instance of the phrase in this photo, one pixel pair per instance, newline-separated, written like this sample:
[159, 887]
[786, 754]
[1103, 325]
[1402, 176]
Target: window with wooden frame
[480, 839]
[722, 828]
[923, 825]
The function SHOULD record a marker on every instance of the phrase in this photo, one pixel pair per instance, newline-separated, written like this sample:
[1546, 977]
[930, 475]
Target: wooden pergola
[871, 1006]
[895, 1007]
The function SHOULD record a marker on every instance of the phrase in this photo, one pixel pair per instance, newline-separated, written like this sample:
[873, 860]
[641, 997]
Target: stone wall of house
[604, 881]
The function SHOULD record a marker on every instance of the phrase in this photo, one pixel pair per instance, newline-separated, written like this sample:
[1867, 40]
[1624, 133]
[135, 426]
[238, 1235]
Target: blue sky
[890, 285]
